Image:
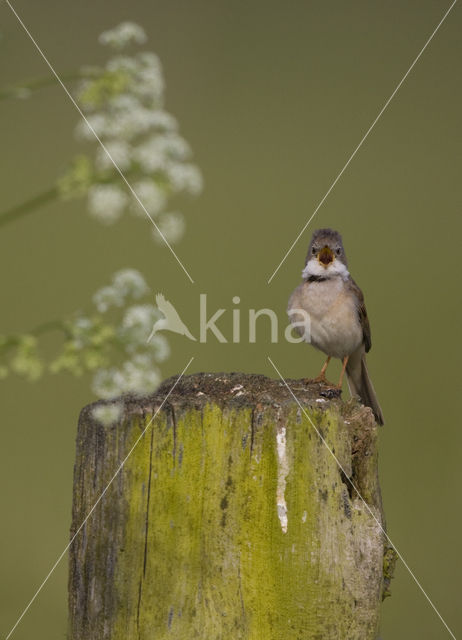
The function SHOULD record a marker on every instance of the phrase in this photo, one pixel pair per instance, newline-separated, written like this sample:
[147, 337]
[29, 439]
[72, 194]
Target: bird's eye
[313, 250]
[339, 251]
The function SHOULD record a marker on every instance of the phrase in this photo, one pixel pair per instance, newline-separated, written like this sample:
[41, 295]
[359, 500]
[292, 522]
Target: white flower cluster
[107, 414]
[125, 33]
[124, 106]
[171, 226]
[107, 202]
[138, 375]
[138, 321]
[139, 372]
[151, 195]
[125, 283]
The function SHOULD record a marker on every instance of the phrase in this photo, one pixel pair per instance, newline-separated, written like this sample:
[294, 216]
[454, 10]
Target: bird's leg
[345, 362]
[322, 375]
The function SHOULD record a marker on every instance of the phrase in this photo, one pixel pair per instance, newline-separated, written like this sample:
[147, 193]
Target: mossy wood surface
[230, 519]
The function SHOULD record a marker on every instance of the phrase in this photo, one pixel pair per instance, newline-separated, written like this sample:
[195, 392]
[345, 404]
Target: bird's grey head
[326, 256]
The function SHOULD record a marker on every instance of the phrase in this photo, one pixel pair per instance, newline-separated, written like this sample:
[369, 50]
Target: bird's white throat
[335, 268]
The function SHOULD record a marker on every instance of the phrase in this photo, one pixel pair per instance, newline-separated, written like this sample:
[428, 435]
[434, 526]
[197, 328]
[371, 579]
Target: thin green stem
[22, 90]
[14, 340]
[29, 206]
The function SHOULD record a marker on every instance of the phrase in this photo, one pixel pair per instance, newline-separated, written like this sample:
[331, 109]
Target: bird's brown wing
[362, 313]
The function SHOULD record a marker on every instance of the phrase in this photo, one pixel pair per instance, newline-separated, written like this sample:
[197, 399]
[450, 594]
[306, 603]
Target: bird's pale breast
[334, 324]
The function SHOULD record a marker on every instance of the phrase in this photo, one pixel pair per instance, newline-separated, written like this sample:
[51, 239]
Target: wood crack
[140, 587]
[174, 434]
[146, 531]
[147, 506]
[252, 432]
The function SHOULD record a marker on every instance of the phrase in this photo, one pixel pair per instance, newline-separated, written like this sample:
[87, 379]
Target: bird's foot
[321, 379]
[330, 389]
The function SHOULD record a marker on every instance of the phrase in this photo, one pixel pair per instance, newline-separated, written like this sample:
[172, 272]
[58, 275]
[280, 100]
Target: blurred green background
[273, 98]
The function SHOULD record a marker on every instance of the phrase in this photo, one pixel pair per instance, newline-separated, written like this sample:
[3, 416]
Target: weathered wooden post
[230, 519]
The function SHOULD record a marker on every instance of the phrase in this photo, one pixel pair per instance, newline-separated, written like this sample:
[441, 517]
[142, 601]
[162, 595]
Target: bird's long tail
[361, 385]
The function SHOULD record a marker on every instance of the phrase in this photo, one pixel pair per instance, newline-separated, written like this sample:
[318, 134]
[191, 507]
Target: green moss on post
[230, 520]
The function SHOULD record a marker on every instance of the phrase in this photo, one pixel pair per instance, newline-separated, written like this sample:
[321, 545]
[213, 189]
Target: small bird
[171, 321]
[338, 323]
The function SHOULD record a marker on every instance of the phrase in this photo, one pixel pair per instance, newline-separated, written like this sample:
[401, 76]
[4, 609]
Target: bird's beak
[325, 257]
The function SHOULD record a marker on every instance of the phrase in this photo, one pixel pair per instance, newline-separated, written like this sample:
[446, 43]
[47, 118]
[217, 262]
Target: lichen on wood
[231, 519]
